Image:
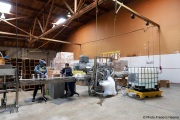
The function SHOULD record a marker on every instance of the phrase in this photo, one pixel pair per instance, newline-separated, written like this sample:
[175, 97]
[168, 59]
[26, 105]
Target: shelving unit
[19, 63]
[28, 70]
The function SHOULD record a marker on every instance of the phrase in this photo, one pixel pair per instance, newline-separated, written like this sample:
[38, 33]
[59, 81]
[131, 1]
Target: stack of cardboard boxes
[119, 67]
[53, 73]
[62, 58]
[59, 63]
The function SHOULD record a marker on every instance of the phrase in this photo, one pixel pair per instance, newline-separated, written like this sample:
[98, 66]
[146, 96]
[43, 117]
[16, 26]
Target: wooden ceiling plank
[69, 8]
[40, 25]
[55, 4]
[16, 27]
[76, 15]
[43, 7]
[80, 5]
[34, 25]
[9, 19]
[50, 11]
[47, 39]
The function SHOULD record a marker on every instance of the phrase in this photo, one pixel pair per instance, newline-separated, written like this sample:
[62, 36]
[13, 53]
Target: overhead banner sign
[113, 54]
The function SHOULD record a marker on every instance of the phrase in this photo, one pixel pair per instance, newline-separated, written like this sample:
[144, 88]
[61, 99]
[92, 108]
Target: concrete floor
[90, 108]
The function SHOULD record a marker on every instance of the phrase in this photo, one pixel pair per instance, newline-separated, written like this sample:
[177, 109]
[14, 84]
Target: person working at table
[69, 86]
[42, 71]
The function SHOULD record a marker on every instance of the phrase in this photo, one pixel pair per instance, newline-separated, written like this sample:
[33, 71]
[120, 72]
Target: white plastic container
[144, 76]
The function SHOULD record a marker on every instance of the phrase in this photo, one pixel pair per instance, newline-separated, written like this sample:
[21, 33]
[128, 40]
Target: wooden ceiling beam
[80, 5]
[99, 7]
[30, 9]
[16, 18]
[68, 7]
[31, 17]
[46, 3]
[23, 44]
[40, 25]
[76, 15]
[62, 7]
[22, 27]
[36, 19]
[47, 21]
[55, 4]
[46, 39]
[24, 7]
[34, 25]
[44, 6]
[17, 27]
[37, 31]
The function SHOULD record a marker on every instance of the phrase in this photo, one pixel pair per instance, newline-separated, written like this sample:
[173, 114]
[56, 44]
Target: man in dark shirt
[69, 86]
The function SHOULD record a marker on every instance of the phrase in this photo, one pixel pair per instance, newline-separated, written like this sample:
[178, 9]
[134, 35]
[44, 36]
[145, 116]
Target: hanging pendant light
[69, 15]
[2, 16]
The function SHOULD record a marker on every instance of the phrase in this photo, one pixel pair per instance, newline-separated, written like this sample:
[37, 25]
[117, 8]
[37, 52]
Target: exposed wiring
[148, 48]
[80, 8]
[160, 67]
[115, 15]
[96, 25]
[16, 37]
[80, 50]
[141, 29]
[153, 45]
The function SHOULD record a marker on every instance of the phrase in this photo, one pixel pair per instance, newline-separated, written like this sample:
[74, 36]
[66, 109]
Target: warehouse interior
[89, 59]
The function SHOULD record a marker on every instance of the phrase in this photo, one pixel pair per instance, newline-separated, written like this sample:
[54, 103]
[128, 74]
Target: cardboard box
[62, 58]
[51, 71]
[2, 61]
[164, 83]
[121, 82]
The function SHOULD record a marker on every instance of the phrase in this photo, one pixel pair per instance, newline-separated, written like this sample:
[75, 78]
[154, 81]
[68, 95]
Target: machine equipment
[97, 73]
[9, 83]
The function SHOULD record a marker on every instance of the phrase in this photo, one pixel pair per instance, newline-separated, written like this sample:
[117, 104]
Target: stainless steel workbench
[24, 82]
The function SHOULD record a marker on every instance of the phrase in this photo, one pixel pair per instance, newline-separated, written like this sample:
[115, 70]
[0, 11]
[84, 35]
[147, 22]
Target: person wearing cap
[42, 71]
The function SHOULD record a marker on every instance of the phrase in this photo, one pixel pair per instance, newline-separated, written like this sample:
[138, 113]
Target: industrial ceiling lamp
[69, 15]
[132, 16]
[147, 23]
[2, 16]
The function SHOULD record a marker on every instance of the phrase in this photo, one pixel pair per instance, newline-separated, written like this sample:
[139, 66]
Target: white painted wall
[170, 65]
